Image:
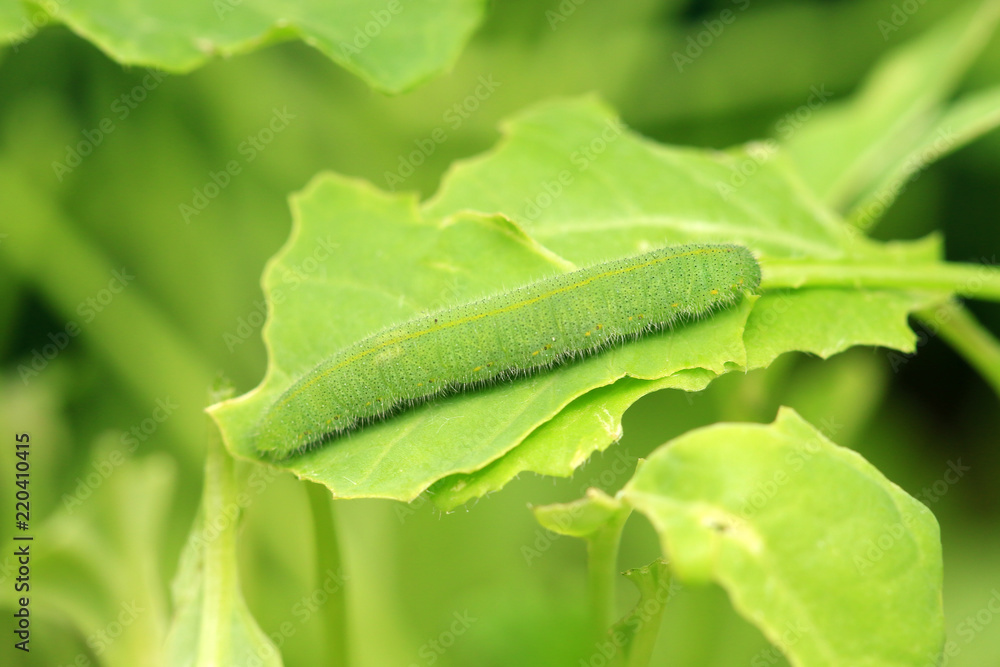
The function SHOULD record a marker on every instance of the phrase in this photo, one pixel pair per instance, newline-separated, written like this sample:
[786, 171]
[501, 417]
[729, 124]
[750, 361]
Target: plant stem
[953, 322]
[221, 586]
[645, 619]
[979, 281]
[329, 575]
[602, 573]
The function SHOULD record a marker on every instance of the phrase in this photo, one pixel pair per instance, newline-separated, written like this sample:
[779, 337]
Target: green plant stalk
[956, 325]
[602, 573]
[978, 281]
[221, 585]
[643, 642]
[328, 559]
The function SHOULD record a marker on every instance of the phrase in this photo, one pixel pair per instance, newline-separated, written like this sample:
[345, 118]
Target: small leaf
[581, 518]
[859, 583]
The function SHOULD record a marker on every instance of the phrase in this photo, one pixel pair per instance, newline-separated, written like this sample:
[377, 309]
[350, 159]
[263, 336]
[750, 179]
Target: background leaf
[963, 121]
[850, 145]
[391, 44]
[727, 502]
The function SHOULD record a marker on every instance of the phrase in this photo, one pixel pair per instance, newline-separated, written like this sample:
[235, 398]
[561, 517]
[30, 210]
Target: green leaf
[557, 448]
[380, 264]
[964, 121]
[808, 316]
[849, 146]
[857, 584]
[360, 259]
[581, 518]
[391, 44]
[571, 175]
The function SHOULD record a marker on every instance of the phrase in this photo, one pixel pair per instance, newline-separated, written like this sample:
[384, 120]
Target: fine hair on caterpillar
[514, 333]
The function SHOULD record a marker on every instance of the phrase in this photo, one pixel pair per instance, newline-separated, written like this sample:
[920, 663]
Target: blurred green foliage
[193, 311]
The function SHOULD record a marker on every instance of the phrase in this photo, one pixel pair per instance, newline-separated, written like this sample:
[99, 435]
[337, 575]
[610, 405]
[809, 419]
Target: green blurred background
[193, 312]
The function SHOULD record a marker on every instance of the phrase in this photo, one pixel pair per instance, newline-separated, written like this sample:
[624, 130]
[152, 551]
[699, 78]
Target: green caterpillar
[504, 335]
